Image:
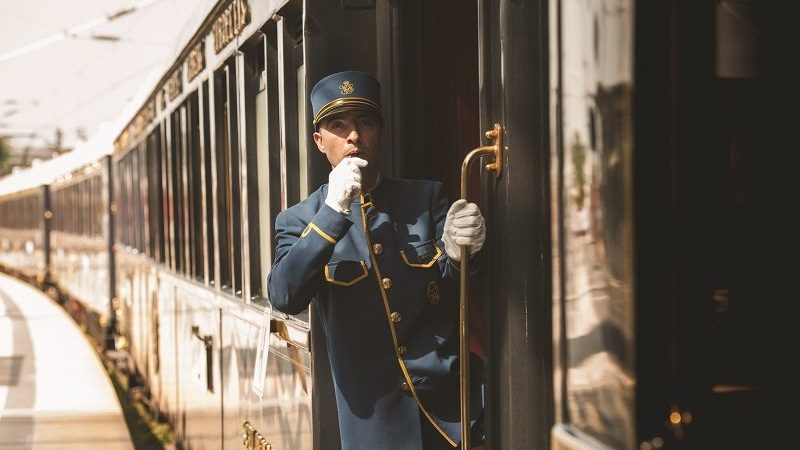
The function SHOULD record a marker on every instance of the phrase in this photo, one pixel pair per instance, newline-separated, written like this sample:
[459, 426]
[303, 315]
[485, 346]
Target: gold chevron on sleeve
[324, 235]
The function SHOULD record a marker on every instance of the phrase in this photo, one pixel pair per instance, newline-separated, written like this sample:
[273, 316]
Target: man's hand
[464, 225]
[344, 184]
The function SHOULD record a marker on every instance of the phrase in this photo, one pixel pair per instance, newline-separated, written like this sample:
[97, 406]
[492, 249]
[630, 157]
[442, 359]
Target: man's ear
[318, 140]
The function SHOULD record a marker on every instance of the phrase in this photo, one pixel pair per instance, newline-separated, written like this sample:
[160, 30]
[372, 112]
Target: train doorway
[467, 66]
[439, 89]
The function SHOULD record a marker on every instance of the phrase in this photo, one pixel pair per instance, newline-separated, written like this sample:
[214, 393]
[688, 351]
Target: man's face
[350, 133]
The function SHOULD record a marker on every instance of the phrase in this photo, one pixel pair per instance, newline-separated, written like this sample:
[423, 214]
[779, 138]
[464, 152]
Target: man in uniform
[380, 257]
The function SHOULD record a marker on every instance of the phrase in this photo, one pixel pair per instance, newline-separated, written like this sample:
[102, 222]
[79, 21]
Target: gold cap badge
[347, 87]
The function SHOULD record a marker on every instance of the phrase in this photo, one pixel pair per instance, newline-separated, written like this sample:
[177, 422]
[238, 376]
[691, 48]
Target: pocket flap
[345, 273]
[423, 254]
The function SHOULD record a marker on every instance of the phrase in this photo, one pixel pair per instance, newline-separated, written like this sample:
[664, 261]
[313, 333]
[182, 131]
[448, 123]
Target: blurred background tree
[5, 150]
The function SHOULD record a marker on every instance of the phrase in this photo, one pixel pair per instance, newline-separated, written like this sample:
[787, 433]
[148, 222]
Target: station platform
[54, 391]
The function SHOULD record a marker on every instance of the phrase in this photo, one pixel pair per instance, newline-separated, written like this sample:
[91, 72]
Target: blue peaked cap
[345, 91]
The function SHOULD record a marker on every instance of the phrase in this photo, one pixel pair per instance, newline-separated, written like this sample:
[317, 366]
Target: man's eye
[365, 122]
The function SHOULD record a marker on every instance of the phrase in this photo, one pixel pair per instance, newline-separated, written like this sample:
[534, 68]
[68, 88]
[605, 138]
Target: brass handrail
[496, 150]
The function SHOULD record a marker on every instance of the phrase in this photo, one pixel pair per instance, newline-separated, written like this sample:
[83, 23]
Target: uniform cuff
[330, 224]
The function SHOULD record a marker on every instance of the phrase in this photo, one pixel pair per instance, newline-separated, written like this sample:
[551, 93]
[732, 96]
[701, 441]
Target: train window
[97, 192]
[186, 197]
[273, 168]
[154, 195]
[83, 196]
[99, 199]
[60, 214]
[94, 186]
[80, 187]
[302, 123]
[141, 191]
[228, 179]
[119, 198]
[222, 158]
[78, 198]
[22, 218]
[86, 207]
[75, 226]
[144, 206]
[176, 192]
[126, 189]
[195, 161]
[61, 211]
[294, 129]
[86, 204]
[184, 166]
[138, 225]
[122, 207]
[15, 209]
[122, 201]
[66, 206]
[86, 191]
[208, 218]
[166, 214]
[63, 208]
[91, 229]
[166, 182]
[258, 189]
[94, 229]
[131, 204]
[36, 210]
[91, 201]
[288, 44]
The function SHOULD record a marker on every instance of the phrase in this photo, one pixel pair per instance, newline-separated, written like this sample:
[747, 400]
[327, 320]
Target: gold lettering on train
[174, 85]
[161, 101]
[137, 126]
[195, 62]
[252, 439]
[230, 23]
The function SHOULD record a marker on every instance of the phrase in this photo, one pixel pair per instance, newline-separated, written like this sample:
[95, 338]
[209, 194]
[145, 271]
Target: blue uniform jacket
[388, 298]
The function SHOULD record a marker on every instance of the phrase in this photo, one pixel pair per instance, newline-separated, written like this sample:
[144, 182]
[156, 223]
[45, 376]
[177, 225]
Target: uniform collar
[367, 193]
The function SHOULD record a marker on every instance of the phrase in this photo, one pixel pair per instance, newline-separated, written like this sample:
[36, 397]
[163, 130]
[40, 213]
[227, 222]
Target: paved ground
[54, 392]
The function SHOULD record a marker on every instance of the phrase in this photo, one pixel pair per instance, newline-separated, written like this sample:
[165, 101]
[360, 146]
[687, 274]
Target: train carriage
[624, 302]
[197, 192]
[23, 233]
[81, 265]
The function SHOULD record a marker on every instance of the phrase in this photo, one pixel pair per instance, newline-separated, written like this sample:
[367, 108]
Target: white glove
[344, 184]
[464, 225]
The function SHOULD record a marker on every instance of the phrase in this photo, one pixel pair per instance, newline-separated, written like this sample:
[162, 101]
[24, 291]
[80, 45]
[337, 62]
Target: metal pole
[495, 150]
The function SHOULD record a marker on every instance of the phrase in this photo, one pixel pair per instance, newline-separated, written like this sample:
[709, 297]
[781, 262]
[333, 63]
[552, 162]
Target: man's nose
[353, 136]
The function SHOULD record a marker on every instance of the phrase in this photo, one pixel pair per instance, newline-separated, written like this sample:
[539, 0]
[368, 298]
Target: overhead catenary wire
[74, 31]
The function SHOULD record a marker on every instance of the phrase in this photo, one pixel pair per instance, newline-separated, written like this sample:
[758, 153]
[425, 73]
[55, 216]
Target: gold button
[387, 283]
[395, 316]
[402, 350]
[377, 248]
[404, 386]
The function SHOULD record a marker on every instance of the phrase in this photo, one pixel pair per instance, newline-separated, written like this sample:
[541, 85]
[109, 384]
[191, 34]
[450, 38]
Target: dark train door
[455, 69]
[513, 53]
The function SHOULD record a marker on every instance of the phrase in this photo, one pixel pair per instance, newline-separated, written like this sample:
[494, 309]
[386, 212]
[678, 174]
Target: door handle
[496, 150]
[208, 342]
[207, 339]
